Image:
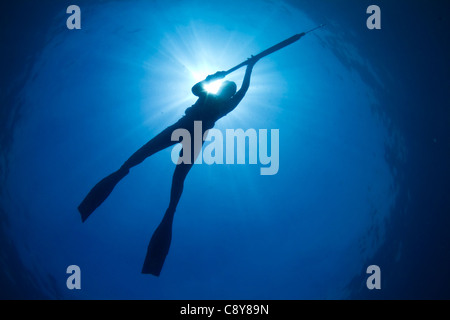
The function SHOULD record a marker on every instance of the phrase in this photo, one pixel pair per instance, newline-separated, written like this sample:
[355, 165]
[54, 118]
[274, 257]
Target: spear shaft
[274, 48]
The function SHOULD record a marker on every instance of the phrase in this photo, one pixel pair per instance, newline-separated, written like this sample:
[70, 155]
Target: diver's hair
[227, 89]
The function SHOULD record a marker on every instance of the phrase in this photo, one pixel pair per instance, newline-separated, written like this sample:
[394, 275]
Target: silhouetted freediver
[208, 108]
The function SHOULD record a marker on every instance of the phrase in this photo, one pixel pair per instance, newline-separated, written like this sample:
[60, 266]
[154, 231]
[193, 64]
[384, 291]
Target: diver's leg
[178, 178]
[159, 245]
[158, 143]
[103, 189]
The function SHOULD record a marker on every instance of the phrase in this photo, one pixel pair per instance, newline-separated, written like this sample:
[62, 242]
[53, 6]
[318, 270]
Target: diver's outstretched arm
[236, 99]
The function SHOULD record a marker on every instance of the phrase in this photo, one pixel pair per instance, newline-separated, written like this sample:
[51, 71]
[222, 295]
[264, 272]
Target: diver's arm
[245, 84]
[198, 89]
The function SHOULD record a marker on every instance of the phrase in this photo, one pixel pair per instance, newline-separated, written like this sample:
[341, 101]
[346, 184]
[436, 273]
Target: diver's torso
[208, 110]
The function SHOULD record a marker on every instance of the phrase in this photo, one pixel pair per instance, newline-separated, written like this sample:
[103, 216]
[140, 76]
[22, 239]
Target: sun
[214, 86]
[191, 53]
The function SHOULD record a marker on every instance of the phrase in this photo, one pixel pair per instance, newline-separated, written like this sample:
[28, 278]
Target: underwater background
[363, 177]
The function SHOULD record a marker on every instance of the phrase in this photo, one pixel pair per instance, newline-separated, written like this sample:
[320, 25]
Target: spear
[274, 48]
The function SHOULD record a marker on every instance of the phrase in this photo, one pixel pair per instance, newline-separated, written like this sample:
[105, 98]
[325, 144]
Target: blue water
[364, 143]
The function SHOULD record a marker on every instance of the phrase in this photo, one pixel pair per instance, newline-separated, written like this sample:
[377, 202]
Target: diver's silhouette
[209, 108]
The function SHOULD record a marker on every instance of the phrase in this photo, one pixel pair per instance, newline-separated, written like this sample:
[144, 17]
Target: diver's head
[227, 90]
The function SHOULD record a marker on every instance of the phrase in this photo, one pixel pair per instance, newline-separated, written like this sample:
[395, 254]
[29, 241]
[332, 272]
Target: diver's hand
[216, 76]
[252, 61]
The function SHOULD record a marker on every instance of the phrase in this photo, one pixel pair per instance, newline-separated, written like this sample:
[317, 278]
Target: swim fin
[159, 245]
[99, 193]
